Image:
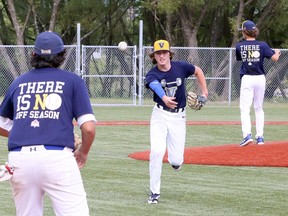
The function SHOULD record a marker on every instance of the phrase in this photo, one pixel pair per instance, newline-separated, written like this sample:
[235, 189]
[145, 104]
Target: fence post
[78, 53]
[230, 76]
[140, 57]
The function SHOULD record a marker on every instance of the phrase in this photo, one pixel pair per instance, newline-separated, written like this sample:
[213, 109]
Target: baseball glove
[195, 101]
[6, 172]
[77, 141]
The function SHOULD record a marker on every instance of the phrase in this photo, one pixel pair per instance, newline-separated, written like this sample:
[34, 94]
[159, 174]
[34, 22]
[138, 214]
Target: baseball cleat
[260, 140]
[177, 168]
[247, 140]
[153, 198]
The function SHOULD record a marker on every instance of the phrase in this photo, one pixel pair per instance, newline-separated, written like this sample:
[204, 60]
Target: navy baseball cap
[48, 43]
[248, 25]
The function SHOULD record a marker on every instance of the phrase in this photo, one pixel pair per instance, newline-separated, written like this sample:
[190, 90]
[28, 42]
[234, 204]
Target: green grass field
[118, 186]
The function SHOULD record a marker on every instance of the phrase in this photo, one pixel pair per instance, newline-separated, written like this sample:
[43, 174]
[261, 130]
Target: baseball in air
[122, 46]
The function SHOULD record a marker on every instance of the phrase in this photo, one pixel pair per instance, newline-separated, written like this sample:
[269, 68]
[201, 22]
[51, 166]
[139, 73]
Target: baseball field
[117, 184]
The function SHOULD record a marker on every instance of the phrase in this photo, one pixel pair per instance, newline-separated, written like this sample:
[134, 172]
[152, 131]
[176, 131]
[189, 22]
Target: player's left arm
[201, 80]
[276, 55]
[88, 132]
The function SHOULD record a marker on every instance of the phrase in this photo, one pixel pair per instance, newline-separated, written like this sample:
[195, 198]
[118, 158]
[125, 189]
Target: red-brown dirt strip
[273, 154]
[127, 123]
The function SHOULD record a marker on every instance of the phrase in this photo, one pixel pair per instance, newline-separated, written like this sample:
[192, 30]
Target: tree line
[185, 23]
[191, 23]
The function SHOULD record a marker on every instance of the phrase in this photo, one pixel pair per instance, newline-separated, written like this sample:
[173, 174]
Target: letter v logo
[161, 45]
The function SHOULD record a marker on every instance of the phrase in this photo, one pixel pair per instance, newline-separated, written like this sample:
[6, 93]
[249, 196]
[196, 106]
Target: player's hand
[81, 158]
[170, 102]
[277, 51]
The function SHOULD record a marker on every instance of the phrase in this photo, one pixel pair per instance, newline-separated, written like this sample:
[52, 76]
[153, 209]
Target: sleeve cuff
[84, 118]
[6, 123]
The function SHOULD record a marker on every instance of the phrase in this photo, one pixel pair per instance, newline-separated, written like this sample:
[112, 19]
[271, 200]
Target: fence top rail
[196, 48]
[99, 46]
[202, 48]
[116, 76]
[30, 46]
[145, 47]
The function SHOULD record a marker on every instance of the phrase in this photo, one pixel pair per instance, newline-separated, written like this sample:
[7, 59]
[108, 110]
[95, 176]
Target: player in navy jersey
[36, 115]
[168, 119]
[252, 54]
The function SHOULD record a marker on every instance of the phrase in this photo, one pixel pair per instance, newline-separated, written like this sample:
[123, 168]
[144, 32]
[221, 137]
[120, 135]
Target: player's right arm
[5, 126]
[4, 132]
[157, 88]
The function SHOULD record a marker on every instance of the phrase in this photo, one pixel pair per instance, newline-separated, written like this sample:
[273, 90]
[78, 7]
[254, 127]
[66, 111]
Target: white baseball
[53, 101]
[122, 46]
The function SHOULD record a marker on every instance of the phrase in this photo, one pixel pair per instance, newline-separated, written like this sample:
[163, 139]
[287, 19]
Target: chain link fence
[113, 77]
[110, 75]
[15, 60]
[222, 73]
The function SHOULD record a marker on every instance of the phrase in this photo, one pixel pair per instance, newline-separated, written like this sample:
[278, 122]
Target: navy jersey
[42, 104]
[172, 81]
[252, 54]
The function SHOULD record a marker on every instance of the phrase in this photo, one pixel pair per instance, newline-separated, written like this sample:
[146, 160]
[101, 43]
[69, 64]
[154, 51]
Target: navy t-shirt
[252, 54]
[172, 81]
[42, 104]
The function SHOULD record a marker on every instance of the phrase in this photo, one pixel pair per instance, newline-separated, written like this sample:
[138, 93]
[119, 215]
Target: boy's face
[162, 57]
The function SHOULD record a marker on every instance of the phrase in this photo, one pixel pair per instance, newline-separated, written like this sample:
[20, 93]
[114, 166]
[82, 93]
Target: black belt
[171, 110]
[47, 147]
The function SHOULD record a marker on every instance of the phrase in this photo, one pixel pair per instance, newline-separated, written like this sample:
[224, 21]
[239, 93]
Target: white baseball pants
[252, 91]
[166, 129]
[54, 172]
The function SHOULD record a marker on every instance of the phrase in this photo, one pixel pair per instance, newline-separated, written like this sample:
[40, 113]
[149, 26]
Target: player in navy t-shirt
[168, 119]
[36, 115]
[252, 54]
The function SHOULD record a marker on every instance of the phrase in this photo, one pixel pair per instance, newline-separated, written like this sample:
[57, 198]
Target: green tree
[193, 23]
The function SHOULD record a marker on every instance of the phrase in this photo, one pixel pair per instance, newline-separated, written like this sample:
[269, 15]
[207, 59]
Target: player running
[168, 119]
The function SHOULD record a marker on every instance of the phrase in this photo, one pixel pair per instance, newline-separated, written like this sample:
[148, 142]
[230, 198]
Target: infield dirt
[273, 154]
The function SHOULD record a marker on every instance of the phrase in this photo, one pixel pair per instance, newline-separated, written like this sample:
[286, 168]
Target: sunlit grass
[117, 185]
